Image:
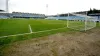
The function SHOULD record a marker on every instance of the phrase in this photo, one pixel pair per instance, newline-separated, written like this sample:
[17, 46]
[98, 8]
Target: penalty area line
[30, 28]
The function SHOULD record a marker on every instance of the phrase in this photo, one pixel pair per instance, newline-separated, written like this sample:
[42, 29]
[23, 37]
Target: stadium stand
[96, 15]
[4, 15]
[27, 15]
[20, 15]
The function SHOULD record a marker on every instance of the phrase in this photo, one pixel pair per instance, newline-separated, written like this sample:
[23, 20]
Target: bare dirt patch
[61, 44]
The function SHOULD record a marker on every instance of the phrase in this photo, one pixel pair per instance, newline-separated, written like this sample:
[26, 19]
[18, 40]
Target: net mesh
[81, 22]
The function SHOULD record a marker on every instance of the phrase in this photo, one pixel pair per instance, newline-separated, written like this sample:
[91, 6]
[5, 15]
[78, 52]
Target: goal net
[80, 22]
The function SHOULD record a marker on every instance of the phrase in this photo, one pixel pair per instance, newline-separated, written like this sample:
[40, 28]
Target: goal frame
[92, 19]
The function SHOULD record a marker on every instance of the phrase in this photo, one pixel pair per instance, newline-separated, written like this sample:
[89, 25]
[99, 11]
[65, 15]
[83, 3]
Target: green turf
[20, 26]
[81, 25]
[78, 25]
[17, 26]
[13, 26]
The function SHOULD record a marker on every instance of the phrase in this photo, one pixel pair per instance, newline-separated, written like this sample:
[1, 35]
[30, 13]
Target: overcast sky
[54, 6]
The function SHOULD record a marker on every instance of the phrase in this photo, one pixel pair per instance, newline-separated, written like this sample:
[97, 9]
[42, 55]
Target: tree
[90, 11]
[1, 10]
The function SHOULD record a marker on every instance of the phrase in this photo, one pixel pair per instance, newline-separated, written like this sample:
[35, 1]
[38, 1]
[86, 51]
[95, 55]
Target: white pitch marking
[49, 30]
[30, 33]
[30, 28]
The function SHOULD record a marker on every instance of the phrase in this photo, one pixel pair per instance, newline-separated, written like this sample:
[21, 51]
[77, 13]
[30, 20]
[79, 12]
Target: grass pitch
[73, 43]
[20, 26]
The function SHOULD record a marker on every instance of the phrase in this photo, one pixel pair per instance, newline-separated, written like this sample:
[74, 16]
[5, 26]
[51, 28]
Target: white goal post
[80, 22]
